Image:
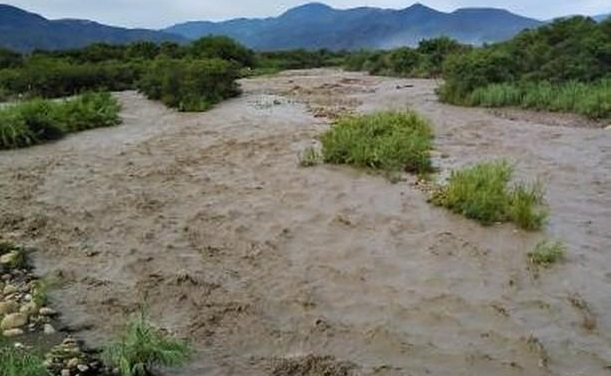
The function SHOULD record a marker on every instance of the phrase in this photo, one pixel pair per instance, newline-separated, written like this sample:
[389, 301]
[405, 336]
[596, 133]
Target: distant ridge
[24, 31]
[317, 25]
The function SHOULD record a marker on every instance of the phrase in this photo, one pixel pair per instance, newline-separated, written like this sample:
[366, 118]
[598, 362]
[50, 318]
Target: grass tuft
[387, 141]
[310, 157]
[18, 362]
[142, 347]
[482, 192]
[547, 253]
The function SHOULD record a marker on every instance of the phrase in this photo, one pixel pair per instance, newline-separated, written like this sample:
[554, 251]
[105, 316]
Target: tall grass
[36, 121]
[18, 362]
[387, 141]
[590, 99]
[483, 192]
[142, 347]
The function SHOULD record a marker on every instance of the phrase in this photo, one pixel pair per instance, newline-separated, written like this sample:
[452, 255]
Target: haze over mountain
[317, 25]
[24, 31]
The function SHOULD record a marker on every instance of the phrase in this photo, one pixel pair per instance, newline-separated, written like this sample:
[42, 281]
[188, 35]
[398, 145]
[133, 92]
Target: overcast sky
[162, 13]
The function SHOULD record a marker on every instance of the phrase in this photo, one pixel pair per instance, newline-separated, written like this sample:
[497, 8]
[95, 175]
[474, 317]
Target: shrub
[482, 192]
[18, 362]
[142, 347]
[36, 121]
[547, 253]
[390, 141]
[190, 85]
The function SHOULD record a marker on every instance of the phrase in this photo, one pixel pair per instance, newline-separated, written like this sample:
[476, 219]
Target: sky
[162, 13]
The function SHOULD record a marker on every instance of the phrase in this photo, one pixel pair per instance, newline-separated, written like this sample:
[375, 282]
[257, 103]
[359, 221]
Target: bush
[482, 192]
[190, 85]
[390, 141]
[547, 253]
[37, 121]
[143, 347]
[18, 362]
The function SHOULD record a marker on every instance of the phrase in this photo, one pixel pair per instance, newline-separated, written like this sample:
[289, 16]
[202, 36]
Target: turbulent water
[209, 220]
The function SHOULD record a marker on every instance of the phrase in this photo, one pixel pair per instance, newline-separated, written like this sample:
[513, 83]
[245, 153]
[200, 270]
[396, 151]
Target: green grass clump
[20, 259]
[387, 141]
[482, 192]
[547, 253]
[142, 347]
[36, 121]
[310, 157]
[589, 99]
[18, 362]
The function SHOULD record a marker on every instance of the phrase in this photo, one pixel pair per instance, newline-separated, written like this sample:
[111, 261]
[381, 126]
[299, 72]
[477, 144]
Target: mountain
[24, 31]
[602, 17]
[317, 25]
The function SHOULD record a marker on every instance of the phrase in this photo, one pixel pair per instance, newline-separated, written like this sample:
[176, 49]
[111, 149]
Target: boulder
[8, 307]
[13, 321]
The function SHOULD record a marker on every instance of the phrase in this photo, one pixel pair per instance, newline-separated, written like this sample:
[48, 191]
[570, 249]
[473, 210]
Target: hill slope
[317, 25]
[25, 31]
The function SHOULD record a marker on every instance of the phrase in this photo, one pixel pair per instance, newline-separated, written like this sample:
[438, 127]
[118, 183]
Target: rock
[49, 329]
[608, 128]
[82, 368]
[10, 289]
[9, 258]
[45, 311]
[8, 307]
[13, 321]
[12, 333]
[65, 372]
[29, 309]
[73, 363]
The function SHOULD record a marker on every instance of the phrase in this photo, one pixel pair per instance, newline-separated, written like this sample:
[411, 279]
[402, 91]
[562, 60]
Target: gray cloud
[162, 13]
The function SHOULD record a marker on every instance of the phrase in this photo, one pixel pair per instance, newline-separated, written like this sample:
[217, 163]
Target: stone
[29, 309]
[9, 258]
[65, 372]
[8, 307]
[45, 311]
[49, 329]
[73, 363]
[13, 321]
[82, 368]
[12, 333]
[10, 289]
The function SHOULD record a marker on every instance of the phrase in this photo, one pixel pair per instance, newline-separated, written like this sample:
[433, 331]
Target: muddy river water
[273, 269]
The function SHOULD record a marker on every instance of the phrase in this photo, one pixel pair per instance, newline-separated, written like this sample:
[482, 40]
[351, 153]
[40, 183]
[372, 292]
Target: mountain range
[310, 26]
[24, 31]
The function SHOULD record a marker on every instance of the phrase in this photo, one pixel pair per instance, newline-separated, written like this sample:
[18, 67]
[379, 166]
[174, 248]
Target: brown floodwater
[273, 269]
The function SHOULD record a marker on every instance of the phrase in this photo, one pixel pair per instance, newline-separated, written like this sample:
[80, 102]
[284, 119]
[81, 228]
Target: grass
[547, 253]
[36, 121]
[310, 157]
[386, 141]
[18, 362]
[142, 347]
[590, 99]
[20, 260]
[483, 193]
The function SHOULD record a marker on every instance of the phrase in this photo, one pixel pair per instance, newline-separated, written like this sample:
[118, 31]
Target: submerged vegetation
[36, 121]
[547, 253]
[387, 141]
[483, 192]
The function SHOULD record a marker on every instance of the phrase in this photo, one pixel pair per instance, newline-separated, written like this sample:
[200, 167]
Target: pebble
[8, 307]
[73, 363]
[12, 333]
[49, 329]
[65, 372]
[82, 368]
[9, 258]
[30, 308]
[45, 311]
[10, 289]
[13, 321]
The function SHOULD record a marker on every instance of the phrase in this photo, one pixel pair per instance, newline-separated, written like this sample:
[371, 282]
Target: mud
[269, 268]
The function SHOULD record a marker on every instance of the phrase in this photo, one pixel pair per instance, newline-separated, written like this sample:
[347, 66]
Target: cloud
[162, 13]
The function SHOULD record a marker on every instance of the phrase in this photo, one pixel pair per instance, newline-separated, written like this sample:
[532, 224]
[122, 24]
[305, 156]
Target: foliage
[547, 253]
[35, 121]
[190, 85]
[310, 157]
[142, 347]
[221, 47]
[18, 362]
[546, 68]
[298, 59]
[482, 192]
[391, 141]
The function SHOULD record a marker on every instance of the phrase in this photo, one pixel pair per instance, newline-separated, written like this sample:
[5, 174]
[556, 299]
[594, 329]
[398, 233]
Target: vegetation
[563, 66]
[18, 362]
[387, 141]
[482, 192]
[19, 257]
[547, 253]
[142, 348]
[36, 121]
[310, 157]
